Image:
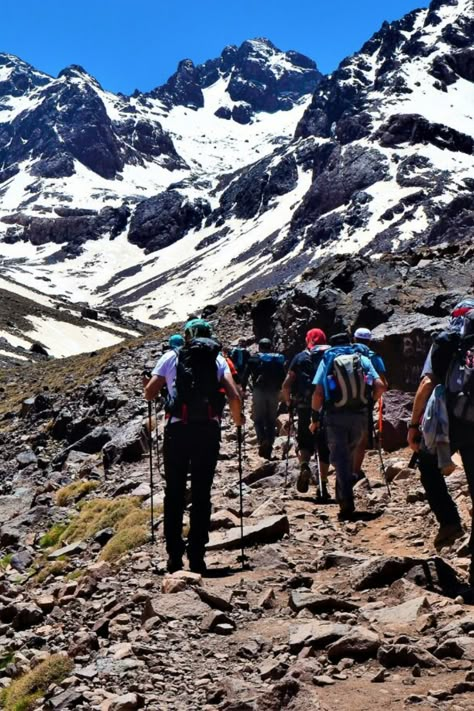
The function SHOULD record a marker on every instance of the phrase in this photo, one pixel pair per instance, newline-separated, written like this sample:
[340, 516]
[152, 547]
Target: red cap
[315, 337]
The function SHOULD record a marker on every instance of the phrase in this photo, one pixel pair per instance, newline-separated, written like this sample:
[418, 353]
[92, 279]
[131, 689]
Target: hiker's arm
[287, 386]
[379, 389]
[235, 401]
[317, 403]
[154, 386]
[422, 396]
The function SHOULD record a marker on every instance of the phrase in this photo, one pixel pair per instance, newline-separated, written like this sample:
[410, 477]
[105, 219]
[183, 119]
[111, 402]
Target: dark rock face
[164, 219]
[341, 175]
[182, 88]
[412, 128]
[75, 229]
[22, 77]
[391, 296]
[252, 191]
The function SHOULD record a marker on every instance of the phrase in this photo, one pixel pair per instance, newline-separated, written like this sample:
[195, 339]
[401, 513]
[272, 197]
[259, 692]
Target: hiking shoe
[346, 510]
[447, 534]
[304, 477]
[197, 565]
[174, 564]
[265, 450]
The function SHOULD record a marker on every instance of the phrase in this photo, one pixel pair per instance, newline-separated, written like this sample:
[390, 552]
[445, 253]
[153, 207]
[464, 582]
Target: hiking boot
[265, 450]
[174, 563]
[447, 534]
[304, 477]
[346, 510]
[197, 564]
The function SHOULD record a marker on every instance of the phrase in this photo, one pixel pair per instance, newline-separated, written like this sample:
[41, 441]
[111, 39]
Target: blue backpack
[349, 382]
[271, 371]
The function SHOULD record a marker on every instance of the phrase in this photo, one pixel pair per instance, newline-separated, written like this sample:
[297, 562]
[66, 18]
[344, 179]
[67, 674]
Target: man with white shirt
[195, 377]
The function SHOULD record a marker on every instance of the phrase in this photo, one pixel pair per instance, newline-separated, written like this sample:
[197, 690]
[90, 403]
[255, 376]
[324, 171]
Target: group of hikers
[329, 390]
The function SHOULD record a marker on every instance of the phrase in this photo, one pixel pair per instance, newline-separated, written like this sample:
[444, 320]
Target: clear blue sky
[128, 44]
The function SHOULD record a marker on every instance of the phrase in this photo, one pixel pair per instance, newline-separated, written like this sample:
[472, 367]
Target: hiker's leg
[205, 441]
[176, 465]
[304, 437]
[436, 490]
[340, 454]
[272, 401]
[259, 413]
[359, 453]
[357, 424]
[323, 452]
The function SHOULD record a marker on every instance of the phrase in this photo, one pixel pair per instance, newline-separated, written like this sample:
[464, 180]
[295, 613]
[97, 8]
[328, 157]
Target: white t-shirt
[166, 367]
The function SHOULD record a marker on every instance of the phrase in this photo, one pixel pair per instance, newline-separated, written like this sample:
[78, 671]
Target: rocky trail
[326, 615]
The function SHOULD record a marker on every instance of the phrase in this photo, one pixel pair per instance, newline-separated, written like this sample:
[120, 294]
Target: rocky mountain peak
[257, 74]
[75, 72]
[18, 77]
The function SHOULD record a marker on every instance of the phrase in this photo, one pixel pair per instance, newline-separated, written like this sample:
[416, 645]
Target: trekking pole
[150, 443]
[318, 474]
[158, 459]
[241, 497]
[290, 426]
[382, 463]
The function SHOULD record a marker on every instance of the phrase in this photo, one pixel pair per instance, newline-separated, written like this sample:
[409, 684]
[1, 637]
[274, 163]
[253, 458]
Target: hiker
[450, 363]
[266, 371]
[363, 336]
[193, 376]
[297, 392]
[346, 382]
[240, 357]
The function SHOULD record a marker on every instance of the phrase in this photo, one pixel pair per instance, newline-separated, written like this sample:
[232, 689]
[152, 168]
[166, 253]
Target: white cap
[365, 334]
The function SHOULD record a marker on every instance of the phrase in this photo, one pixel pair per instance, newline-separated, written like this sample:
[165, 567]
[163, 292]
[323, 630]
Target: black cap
[265, 344]
[340, 339]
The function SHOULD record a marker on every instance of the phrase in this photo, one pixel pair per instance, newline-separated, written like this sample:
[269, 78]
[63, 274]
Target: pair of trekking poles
[240, 450]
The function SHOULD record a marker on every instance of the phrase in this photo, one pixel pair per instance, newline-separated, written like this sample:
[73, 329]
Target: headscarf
[456, 321]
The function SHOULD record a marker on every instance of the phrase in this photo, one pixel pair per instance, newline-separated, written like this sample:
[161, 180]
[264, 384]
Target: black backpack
[307, 365]
[459, 381]
[196, 396]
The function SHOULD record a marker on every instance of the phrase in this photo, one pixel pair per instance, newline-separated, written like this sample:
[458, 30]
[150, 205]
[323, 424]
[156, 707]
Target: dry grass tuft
[23, 692]
[74, 491]
[55, 568]
[98, 514]
[124, 541]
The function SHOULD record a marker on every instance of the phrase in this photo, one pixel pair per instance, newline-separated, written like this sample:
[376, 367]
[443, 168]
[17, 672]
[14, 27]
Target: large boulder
[397, 407]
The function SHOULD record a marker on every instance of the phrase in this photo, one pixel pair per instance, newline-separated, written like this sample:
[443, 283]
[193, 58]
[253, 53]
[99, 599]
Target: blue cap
[176, 341]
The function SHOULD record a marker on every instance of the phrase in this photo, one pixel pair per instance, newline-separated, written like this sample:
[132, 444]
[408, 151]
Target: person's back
[240, 357]
[450, 363]
[194, 375]
[345, 383]
[266, 371]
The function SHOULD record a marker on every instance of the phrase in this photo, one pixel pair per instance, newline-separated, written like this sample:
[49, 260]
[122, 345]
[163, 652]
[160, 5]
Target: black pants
[307, 441]
[434, 483]
[189, 448]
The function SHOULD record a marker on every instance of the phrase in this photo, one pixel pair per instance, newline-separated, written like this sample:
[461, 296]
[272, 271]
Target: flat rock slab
[316, 634]
[12, 506]
[186, 604]
[406, 655]
[268, 530]
[316, 603]
[71, 549]
[404, 614]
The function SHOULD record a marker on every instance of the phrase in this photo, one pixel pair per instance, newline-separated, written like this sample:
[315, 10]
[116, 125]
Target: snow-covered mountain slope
[234, 175]
[33, 325]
